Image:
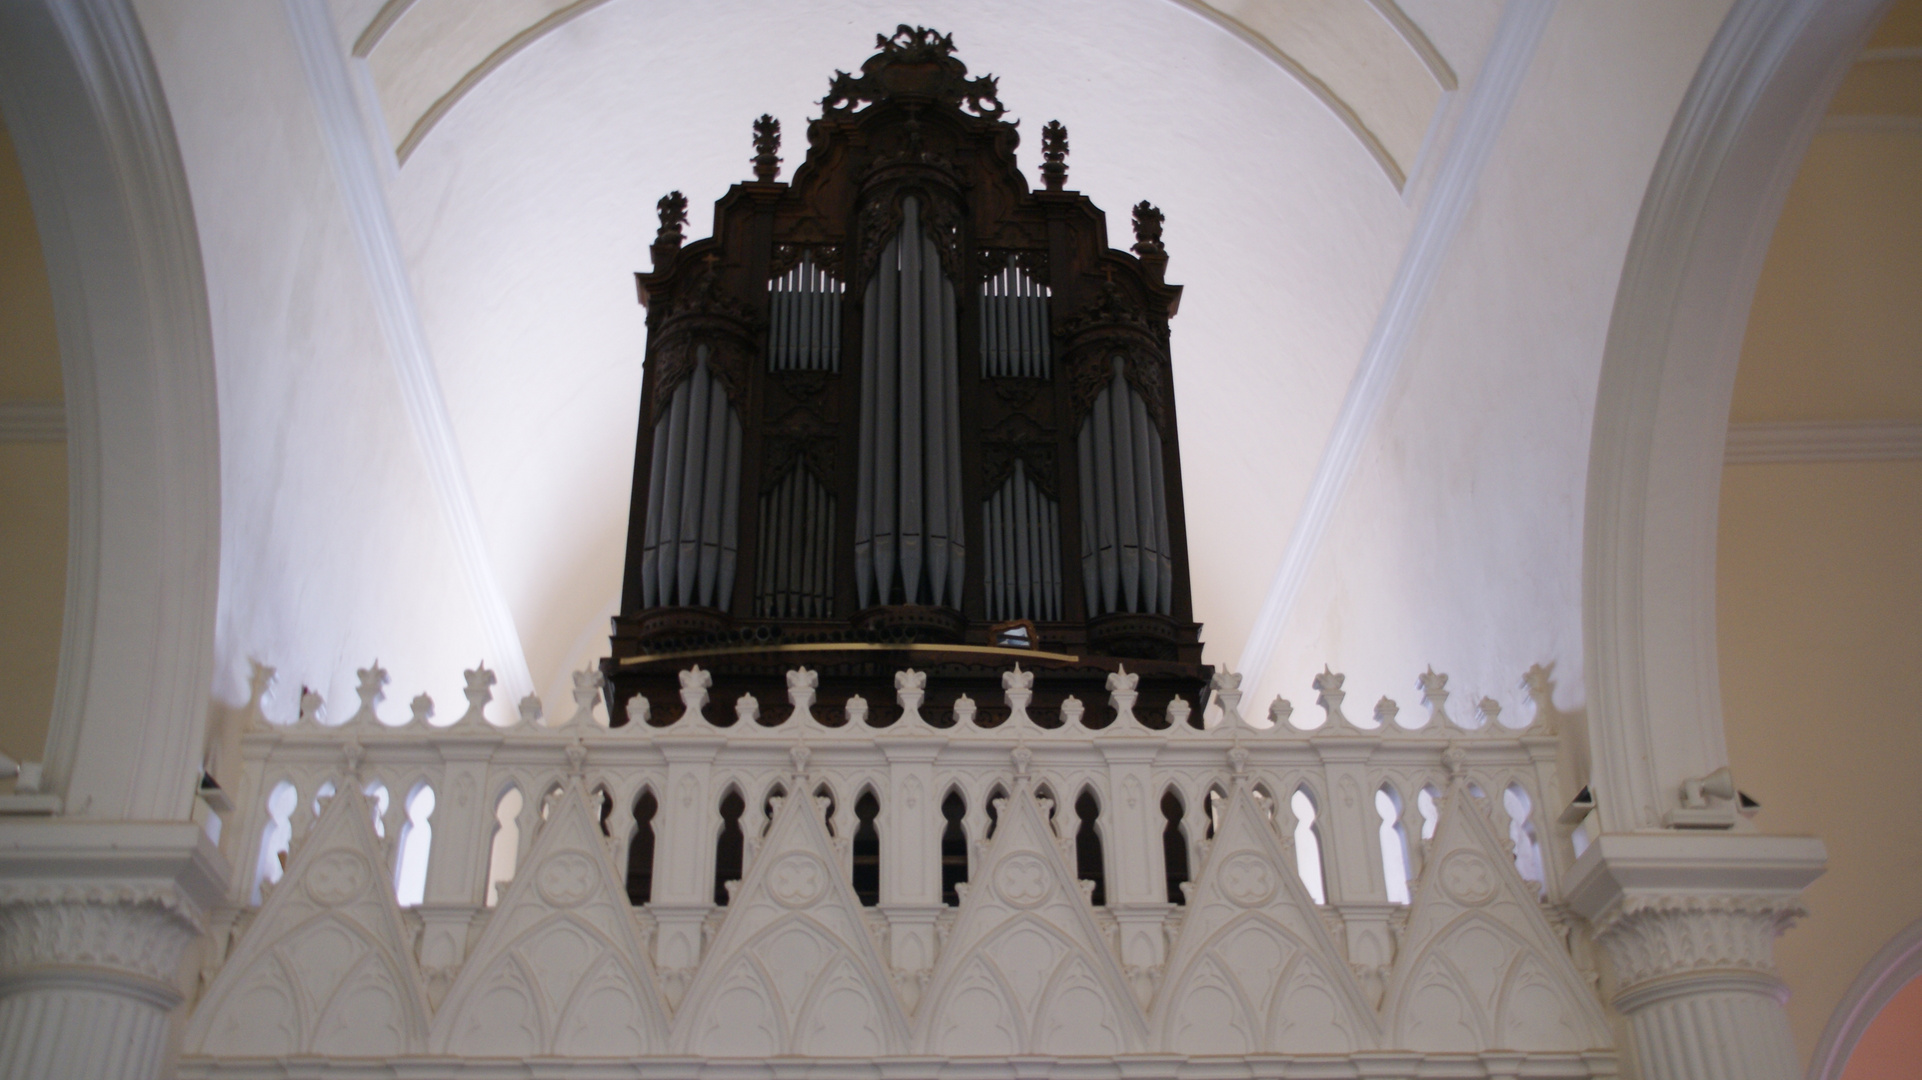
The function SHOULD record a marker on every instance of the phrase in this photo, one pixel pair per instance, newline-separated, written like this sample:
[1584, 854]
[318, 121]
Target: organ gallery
[903, 771]
[905, 411]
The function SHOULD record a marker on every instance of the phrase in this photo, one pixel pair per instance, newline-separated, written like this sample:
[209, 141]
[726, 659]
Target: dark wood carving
[911, 123]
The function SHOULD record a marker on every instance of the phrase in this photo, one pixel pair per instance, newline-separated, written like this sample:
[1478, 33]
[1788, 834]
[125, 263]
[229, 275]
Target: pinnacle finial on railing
[479, 691]
[1434, 694]
[1122, 696]
[1227, 687]
[1329, 694]
[371, 680]
[1385, 712]
[1279, 712]
[802, 686]
[695, 684]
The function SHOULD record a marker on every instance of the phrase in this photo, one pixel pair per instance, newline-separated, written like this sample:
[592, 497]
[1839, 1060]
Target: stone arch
[102, 166]
[1667, 378]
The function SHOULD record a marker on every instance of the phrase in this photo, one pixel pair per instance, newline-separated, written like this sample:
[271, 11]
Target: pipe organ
[906, 410]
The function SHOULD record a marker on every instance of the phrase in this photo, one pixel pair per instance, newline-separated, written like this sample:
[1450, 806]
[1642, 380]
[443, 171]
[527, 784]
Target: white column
[95, 922]
[1687, 924]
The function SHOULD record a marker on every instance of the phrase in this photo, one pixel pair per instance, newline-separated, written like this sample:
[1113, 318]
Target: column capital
[116, 901]
[1682, 906]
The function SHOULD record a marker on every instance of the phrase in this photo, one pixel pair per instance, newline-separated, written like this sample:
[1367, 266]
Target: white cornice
[33, 421]
[1858, 440]
[361, 188]
[1483, 115]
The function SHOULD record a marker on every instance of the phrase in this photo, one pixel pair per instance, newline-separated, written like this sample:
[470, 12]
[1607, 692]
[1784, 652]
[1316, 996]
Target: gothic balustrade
[684, 812]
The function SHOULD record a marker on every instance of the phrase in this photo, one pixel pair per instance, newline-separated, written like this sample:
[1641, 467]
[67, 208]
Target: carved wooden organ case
[905, 412]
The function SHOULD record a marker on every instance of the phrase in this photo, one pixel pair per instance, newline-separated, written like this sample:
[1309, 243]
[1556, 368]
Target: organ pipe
[1022, 529]
[1014, 326]
[795, 576]
[1127, 561]
[908, 544]
[804, 319]
[691, 540]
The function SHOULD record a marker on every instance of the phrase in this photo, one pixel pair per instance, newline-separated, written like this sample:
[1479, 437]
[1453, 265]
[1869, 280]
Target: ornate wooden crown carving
[906, 411]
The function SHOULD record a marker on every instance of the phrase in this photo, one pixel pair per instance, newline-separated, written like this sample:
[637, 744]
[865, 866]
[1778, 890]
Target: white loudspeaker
[1720, 784]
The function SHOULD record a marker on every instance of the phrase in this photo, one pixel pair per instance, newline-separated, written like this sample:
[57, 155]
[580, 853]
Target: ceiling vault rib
[1332, 101]
[1418, 42]
[358, 173]
[383, 21]
[446, 102]
[1483, 115]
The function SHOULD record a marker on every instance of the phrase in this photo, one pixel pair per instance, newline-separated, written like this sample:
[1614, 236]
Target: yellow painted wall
[1820, 609]
[1819, 579]
[33, 482]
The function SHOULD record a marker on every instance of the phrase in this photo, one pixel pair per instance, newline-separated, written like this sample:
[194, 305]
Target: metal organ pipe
[1020, 523]
[1014, 326]
[804, 319]
[1022, 571]
[1127, 562]
[795, 578]
[908, 514]
[691, 538]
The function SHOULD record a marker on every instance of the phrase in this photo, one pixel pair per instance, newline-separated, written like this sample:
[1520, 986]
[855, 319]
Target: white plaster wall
[1459, 541]
[332, 553]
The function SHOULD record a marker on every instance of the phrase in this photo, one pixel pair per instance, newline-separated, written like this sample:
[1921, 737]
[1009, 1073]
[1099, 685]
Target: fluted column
[1687, 925]
[95, 920]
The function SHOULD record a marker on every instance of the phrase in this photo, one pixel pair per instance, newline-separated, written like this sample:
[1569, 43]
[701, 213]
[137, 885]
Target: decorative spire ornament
[767, 144]
[1054, 155]
[1148, 219]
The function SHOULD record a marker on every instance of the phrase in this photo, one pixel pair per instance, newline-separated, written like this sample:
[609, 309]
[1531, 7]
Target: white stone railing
[910, 767]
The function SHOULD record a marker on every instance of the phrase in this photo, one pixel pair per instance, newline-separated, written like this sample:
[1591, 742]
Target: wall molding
[1823, 441]
[1881, 125]
[1483, 115]
[33, 421]
[362, 191]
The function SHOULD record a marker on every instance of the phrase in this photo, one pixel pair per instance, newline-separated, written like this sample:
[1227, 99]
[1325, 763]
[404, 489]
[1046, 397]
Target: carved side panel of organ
[694, 492]
[909, 545]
